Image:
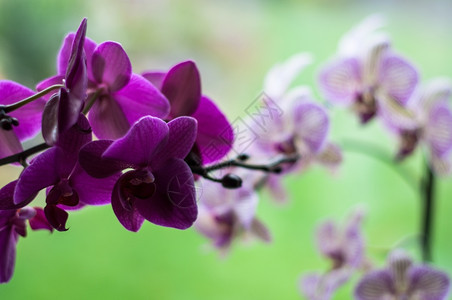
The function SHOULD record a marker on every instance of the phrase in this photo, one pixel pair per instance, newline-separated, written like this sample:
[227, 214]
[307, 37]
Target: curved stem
[22, 156]
[12, 107]
[380, 155]
[428, 199]
[91, 100]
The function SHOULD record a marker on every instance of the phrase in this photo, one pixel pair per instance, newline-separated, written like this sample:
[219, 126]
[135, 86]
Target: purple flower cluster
[150, 131]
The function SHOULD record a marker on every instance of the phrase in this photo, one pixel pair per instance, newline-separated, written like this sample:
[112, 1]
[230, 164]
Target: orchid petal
[130, 219]
[427, 283]
[155, 77]
[140, 98]
[57, 79]
[181, 137]
[438, 131]
[91, 160]
[29, 116]
[8, 241]
[107, 119]
[173, 203]
[311, 125]
[92, 191]
[56, 216]
[65, 53]
[39, 221]
[111, 66]
[69, 109]
[398, 78]
[279, 78]
[340, 81]
[136, 148]
[182, 87]
[9, 143]
[215, 134]
[375, 285]
[41, 173]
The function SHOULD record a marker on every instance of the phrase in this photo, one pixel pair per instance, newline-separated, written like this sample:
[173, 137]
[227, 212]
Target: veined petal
[395, 116]
[111, 66]
[92, 191]
[181, 137]
[8, 240]
[91, 160]
[311, 125]
[398, 78]
[107, 119]
[438, 131]
[427, 283]
[29, 116]
[375, 285]
[75, 138]
[341, 80]
[140, 98]
[41, 173]
[182, 87]
[65, 53]
[173, 203]
[146, 137]
[279, 78]
[155, 77]
[327, 237]
[130, 219]
[215, 135]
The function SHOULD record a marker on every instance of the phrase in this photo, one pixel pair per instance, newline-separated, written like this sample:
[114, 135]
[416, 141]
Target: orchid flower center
[140, 184]
[366, 105]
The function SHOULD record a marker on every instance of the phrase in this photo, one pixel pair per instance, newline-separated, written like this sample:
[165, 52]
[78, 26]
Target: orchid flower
[160, 185]
[403, 280]
[368, 75]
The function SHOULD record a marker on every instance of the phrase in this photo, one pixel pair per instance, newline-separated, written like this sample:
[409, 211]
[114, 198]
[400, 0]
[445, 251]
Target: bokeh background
[234, 44]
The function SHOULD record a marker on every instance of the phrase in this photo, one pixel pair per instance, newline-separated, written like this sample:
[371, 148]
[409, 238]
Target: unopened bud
[231, 181]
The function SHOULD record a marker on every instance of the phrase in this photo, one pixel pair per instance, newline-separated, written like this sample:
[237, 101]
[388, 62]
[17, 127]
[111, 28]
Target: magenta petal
[340, 80]
[215, 134]
[50, 120]
[173, 203]
[182, 135]
[69, 109]
[7, 197]
[56, 216]
[9, 143]
[57, 79]
[65, 53]
[29, 116]
[111, 66]
[107, 119]
[375, 285]
[8, 241]
[398, 78]
[75, 138]
[39, 221]
[41, 173]
[311, 125]
[140, 98]
[92, 191]
[91, 160]
[130, 219]
[182, 87]
[155, 77]
[136, 148]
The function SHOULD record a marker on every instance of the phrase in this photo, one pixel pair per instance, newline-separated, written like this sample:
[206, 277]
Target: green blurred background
[234, 44]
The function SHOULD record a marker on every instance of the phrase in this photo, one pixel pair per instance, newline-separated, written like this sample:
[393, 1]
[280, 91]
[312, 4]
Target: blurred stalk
[428, 201]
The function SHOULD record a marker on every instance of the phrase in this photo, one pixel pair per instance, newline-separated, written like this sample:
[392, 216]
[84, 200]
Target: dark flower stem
[271, 167]
[428, 199]
[12, 107]
[22, 156]
[90, 101]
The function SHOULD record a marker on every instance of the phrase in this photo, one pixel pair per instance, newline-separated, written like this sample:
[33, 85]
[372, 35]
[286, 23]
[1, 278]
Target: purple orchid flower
[21, 124]
[13, 224]
[182, 86]
[431, 125]
[402, 279]
[160, 186]
[368, 75]
[68, 185]
[116, 96]
[227, 214]
[345, 248]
